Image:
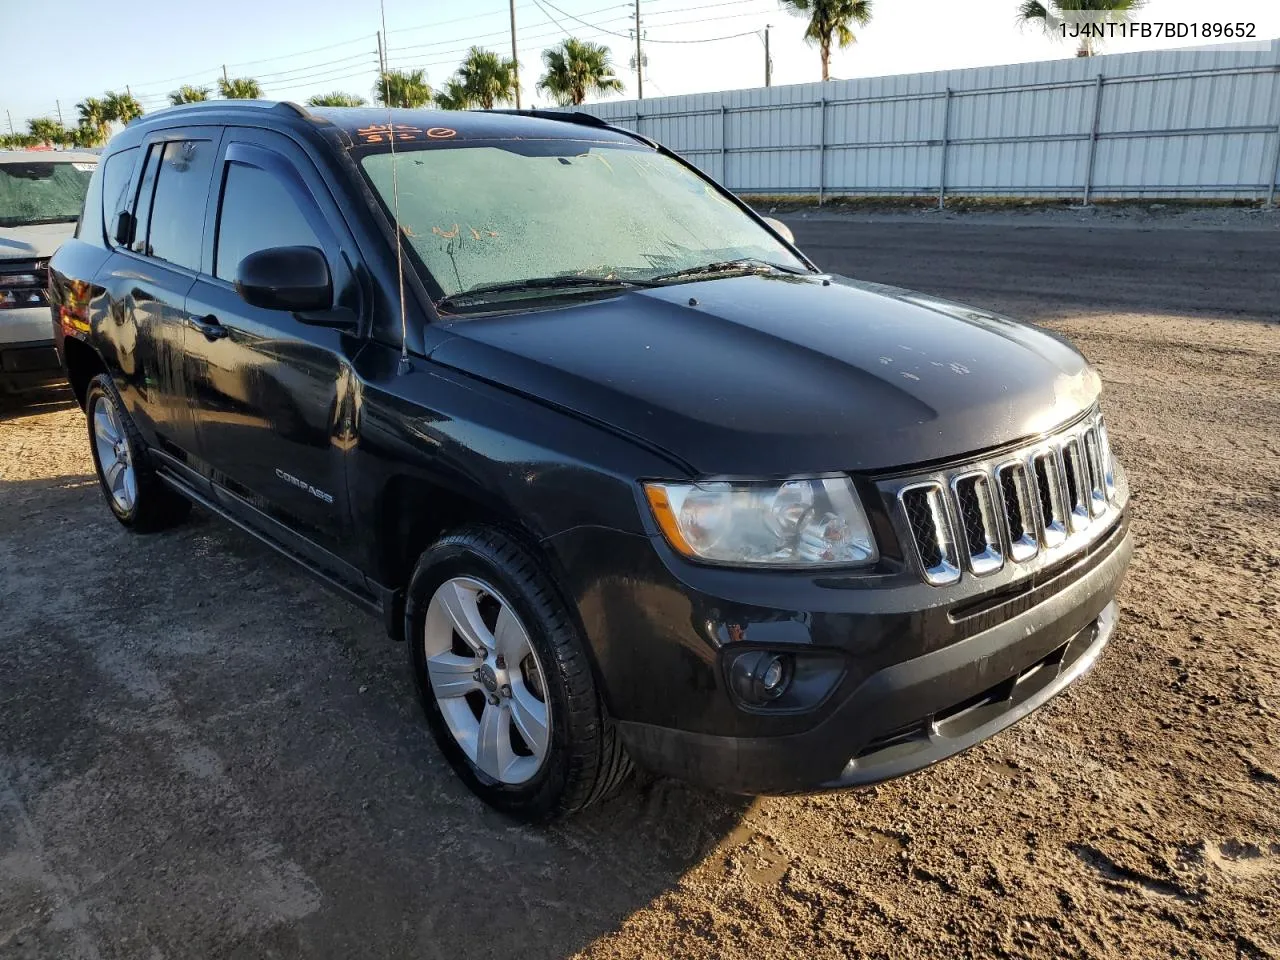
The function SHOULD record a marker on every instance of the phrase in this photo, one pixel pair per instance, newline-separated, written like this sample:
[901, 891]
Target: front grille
[981, 525]
[1042, 497]
[925, 506]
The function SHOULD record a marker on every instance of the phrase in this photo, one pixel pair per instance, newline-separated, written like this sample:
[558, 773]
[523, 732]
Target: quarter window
[258, 212]
[177, 213]
[117, 170]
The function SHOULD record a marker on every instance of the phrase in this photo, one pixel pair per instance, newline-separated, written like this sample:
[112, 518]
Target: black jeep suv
[634, 479]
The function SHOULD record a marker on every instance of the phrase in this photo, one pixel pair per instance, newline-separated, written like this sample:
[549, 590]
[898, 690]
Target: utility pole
[768, 64]
[59, 103]
[639, 60]
[515, 62]
[127, 91]
[9, 117]
[382, 57]
[224, 75]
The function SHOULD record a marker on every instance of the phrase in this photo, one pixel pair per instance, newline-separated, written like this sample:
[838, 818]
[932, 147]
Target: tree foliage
[188, 94]
[577, 69]
[47, 132]
[1050, 17]
[403, 88]
[95, 120]
[239, 88]
[123, 107]
[830, 21]
[488, 78]
[336, 99]
[453, 96]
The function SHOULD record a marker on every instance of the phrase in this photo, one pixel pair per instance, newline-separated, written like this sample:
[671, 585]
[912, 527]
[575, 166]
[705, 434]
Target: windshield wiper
[742, 265]
[538, 283]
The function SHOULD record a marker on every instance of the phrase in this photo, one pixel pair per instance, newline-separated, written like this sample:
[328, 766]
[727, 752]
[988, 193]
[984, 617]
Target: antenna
[403, 366]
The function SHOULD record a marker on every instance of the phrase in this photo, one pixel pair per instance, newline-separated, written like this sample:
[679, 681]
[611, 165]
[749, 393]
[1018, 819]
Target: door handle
[210, 327]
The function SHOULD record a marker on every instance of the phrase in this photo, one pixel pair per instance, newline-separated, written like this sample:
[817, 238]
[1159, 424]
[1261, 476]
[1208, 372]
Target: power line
[299, 53]
[625, 36]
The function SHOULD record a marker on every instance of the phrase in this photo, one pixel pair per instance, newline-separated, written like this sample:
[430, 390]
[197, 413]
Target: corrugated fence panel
[1169, 123]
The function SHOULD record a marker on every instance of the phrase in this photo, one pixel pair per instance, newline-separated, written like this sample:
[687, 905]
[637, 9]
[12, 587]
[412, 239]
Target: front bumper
[922, 684]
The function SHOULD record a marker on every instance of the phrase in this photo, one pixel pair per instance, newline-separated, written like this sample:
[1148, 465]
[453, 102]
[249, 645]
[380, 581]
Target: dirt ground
[204, 754]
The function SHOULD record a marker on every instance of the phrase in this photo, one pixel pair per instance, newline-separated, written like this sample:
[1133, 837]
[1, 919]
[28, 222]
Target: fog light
[761, 676]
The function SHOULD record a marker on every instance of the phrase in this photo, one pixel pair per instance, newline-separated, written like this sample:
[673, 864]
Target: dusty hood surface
[771, 375]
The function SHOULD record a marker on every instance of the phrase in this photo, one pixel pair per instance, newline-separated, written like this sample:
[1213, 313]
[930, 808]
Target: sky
[297, 48]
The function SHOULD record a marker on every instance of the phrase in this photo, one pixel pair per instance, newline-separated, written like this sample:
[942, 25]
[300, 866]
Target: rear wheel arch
[83, 364]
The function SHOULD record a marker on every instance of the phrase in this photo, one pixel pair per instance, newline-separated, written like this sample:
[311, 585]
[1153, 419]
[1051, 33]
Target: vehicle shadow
[13, 406]
[242, 754]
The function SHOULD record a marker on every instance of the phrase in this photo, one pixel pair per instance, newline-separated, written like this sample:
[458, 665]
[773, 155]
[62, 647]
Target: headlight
[793, 523]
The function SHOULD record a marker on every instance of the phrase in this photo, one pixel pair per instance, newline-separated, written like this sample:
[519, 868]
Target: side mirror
[123, 233]
[781, 229]
[286, 278]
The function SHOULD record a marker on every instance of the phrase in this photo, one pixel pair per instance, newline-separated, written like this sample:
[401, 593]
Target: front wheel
[503, 676]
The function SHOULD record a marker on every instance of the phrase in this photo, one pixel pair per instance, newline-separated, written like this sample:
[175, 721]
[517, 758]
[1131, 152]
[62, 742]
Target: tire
[582, 759]
[138, 498]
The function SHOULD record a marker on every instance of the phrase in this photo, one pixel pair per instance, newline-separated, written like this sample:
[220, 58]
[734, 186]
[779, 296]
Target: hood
[36, 242]
[771, 375]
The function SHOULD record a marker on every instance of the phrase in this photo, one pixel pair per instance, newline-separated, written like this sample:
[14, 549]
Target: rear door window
[176, 229]
[258, 212]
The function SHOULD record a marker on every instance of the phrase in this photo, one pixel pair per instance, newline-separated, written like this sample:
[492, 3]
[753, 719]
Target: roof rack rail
[286, 106]
[564, 116]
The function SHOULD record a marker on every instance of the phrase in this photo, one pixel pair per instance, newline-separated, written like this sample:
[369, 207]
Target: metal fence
[1174, 123]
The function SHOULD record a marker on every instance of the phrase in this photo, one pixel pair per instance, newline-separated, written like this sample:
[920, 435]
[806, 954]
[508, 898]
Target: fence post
[724, 146]
[822, 147]
[942, 171]
[1275, 170]
[1093, 140]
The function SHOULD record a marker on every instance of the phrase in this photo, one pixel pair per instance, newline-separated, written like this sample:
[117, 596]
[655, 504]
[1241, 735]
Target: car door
[154, 264]
[273, 395]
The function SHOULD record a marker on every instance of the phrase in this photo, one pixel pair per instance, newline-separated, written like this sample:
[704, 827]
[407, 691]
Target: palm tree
[403, 88]
[240, 88]
[122, 106]
[336, 99]
[577, 68]
[85, 136]
[830, 21]
[453, 96]
[1050, 17]
[488, 78]
[188, 94]
[46, 131]
[95, 118]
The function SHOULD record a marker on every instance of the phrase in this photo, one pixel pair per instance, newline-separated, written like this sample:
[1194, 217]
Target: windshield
[480, 216]
[42, 191]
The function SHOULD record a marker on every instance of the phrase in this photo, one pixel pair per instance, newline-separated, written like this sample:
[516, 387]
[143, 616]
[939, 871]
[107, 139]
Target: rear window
[43, 191]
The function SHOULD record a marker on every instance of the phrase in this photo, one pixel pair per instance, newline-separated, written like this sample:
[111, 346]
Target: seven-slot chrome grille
[978, 517]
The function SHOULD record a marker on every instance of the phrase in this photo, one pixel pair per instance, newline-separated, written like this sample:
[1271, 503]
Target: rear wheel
[137, 497]
[503, 676]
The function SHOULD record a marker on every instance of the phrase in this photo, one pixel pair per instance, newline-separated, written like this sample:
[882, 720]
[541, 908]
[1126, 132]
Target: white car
[41, 195]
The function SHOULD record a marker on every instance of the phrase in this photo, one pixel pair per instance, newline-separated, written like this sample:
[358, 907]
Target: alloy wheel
[114, 458]
[487, 680]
